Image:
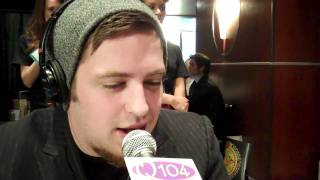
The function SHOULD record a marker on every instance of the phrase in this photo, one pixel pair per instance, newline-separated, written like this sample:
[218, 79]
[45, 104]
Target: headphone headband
[49, 28]
[52, 74]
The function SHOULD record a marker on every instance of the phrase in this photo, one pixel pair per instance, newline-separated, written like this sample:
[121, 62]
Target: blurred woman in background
[27, 51]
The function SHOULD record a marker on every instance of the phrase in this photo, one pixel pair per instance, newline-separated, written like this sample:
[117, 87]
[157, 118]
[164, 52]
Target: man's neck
[197, 77]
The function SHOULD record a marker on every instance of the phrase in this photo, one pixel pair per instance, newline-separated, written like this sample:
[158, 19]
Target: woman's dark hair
[36, 24]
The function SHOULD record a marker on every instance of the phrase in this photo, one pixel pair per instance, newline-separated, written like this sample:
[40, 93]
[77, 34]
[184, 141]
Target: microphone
[139, 149]
[139, 143]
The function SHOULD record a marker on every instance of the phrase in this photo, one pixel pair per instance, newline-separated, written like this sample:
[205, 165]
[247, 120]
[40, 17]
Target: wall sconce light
[225, 24]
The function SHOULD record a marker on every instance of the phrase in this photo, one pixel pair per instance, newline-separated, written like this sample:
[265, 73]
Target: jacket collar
[60, 146]
[165, 145]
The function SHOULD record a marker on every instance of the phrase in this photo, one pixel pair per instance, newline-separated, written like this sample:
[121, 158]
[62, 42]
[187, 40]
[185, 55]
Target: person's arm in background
[29, 74]
[28, 61]
[180, 87]
[178, 101]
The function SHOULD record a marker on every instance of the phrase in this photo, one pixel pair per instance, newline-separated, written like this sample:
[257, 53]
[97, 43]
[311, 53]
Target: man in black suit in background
[205, 97]
[108, 94]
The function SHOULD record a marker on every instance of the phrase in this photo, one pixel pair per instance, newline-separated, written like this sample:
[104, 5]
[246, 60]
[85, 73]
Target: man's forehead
[52, 1]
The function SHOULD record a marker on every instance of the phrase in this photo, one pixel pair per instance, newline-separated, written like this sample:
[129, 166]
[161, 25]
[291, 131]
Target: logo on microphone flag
[143, 168]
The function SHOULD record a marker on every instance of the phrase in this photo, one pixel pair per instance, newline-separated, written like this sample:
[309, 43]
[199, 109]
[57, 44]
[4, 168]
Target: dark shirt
[175, 67]
[97, 169]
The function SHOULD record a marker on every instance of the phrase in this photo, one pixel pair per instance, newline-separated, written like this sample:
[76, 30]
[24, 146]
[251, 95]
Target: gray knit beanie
[79, 19]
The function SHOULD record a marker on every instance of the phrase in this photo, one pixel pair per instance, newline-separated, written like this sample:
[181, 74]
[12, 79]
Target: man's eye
[114, 86]
[154, 83]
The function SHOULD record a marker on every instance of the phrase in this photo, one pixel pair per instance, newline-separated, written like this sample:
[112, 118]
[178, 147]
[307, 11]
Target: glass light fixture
[225, 24]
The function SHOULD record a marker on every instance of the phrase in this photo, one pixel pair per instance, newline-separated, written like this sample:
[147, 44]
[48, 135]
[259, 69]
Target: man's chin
[117, 161]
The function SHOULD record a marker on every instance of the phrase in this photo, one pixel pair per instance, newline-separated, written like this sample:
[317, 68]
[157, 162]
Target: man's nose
[137, 102]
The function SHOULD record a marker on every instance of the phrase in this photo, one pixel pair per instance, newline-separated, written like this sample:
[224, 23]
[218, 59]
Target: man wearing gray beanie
[106, 60]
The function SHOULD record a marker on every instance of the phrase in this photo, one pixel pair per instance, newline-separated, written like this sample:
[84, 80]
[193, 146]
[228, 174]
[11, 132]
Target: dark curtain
[12, 26]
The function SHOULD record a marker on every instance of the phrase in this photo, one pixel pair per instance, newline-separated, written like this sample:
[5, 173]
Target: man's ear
[202, 68]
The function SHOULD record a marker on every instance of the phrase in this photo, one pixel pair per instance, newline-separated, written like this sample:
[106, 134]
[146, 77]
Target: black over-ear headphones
[52, 75]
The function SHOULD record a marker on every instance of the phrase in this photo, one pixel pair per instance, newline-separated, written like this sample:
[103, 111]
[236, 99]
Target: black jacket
[206, 99]
[41, 147]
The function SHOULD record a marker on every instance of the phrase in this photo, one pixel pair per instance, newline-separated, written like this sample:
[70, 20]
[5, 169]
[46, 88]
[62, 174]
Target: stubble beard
[116, 161]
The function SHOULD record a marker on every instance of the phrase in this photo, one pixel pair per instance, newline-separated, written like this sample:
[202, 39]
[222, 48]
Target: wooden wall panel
[297, 26]
[277, 105]
[249, 89]
[204, 39]
[296, 148]
[296, 137]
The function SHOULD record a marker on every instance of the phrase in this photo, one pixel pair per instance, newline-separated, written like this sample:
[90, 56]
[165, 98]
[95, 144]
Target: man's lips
[141, 126]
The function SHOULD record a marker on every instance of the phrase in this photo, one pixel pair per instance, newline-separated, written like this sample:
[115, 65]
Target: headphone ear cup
[61, 83]
[52, 75]
[48, 80]
[54, 81]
